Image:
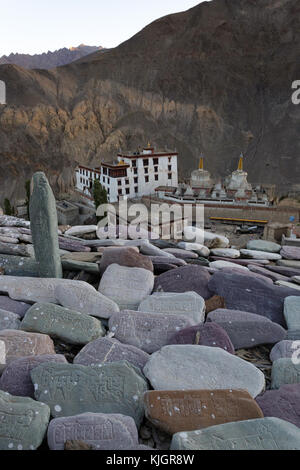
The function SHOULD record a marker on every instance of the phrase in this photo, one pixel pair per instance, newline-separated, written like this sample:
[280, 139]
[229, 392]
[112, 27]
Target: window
[156, 177]
[127, 182]
[119, 182]
[170, 167]
[170, 159]
[135, 171]
[146, 162]
[127, 191]
[120, 192]
[156, 169]
[136, 180]
[146, 171]
[170, 176]
[146, 179]
[155, 161]
[136, 190]
[105, 171]
[134, 163]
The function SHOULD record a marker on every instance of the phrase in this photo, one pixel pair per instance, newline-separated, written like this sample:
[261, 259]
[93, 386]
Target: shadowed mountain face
[217, 79]
[49, 60]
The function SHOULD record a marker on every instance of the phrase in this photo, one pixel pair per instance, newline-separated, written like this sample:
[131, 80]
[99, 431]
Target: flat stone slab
[83, 257]
[290, 253]
[189, 304]
[151, 250]
[247, 330]
[296, 279]
[285, 271]
[72, 265]
[125, 256]
[176, 411]
[23, 422]
[110, 350]
[100, 431]
[13, 249]
[20, 343]
[69, 244]
[81, 230]
[247, 273]
[9, 321]
[289, 285]
[269, 274]
[283, 403]
[161, 260]
[61, 323]
[181, 253]
[192, 367]
[127, 287]
[146, 331]
[227, 264]
[251, 295]
[242, 262]
[16, 378]
[207, 334]
[19, 266]
[263, 245]
[201, 250]
[289, 263]
[2, 353]
[71, 389]
[9, 221]
[285, 372]
[284, 349]
[256, 434]
[20, 308]
[214, 303]
[192, 234]
[185, 279]
[226, 252]
[261, 255]
[293, 335]
[292, 312]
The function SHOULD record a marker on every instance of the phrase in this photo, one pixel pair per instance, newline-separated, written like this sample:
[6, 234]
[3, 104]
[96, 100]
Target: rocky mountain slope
[49, 60]
[216, 78]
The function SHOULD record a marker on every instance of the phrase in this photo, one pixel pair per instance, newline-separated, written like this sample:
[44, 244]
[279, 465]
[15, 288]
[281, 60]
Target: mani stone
[290, 253]
[72, 265]
[284, 349]
[181, 254]
[20, 308]
[44, 228]
[289, 264]
[12, 249]
[184, 279]
[192, 367]
[283, 403]
[71, 389]
[146, 331]
[19, 266]
[285, 271]
[247, 330]
[9, 221]
[84, 257]
[208, 334]
[290, 285]
[100, 431]
[201, 250]
[251, 295]
[189, 304]
[285, 372]
[263, 245]
[85, 300]
[81, 230]
[261, 255]
[19, 344]
[214, 303]
[227, 264]
[124, 257]
[110, 350]
[9, 321]
[226, 252]
[151, 250]
[176, 411]
[16, 376]
[248, 273]
[269, 274]
[127, 287]
[161, 260]
[23, 422]
[2, 353]
[296, 279]
[292, 312]
[72, 245]
[62, 323]
[255, 434]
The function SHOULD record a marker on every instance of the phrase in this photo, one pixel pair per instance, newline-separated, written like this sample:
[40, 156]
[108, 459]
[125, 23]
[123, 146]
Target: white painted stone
[189, 304]
[226, 264]
[254, 254]
[2, 353]
[81, 230]
[202, 250]
[192, 367]
[226, 253]
[194, 234]
[127, 287]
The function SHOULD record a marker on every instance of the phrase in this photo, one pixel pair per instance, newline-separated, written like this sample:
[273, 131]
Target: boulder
[20, 343]
[290, 253]
[283, 403]
[226, 252]
[184, 279]
[125, 256]
[9, 321]
[292, 312]
[263, 245]
[261, 255]
[285, 372]
[285, 349]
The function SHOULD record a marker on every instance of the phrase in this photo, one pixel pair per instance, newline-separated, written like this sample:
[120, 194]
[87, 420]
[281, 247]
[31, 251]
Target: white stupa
[201, 181]
[237, 181]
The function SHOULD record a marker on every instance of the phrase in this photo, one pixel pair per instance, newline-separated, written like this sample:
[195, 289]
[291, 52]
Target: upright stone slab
[146, 331]
[44, 228]
[207, 334]
[292, 312]
[100, 431]
[16, 378]
[176, 411]
[127, 287]
[19, 344]
[9, 321]
[186, 367]
[189, 304]
[283, 403]
[71, 389]
[184, 279]
[256, 434]
[247, 330]
[285, 372]
[23, 422]
[61, 323]
[110, 350]
[284, 349]
[2, 353]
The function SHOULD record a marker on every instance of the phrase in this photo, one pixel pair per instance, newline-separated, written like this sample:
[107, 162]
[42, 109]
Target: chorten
[237, 185]
[201, 181]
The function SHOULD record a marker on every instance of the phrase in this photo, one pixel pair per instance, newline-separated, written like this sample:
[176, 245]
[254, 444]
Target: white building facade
[133, 175]
[2, 92]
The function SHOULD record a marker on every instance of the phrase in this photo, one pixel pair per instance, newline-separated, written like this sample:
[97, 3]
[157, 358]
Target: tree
[99, 195]
[27, 189]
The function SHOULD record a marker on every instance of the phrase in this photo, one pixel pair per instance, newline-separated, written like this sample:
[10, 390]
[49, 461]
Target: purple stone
[209, 334]
[283, 403]
[16, 378]
[290, 252]
[185, 279]
[285, 271]
[265, 272]
[247, 330]
[251, 295]
[242, 262]
[247, 273]
[110, 350]
[124, 256]
[14, 306]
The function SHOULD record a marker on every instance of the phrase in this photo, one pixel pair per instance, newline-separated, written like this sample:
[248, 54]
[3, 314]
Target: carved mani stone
[285, 372]
[70, 389]
[19, 344]
[176, 411]
[100, 431]
[23, 422]
[9, 320]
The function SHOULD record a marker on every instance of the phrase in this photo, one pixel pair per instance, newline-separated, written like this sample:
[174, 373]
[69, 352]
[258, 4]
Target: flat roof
[147, 155]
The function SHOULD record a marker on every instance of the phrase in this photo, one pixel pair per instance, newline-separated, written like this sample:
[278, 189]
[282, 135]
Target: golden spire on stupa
[201, 163]
[241, 163]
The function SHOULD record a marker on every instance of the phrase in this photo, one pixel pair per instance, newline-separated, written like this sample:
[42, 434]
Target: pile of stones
[138, 345]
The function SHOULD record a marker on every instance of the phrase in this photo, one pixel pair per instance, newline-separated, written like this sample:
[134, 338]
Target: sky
[35, 26]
